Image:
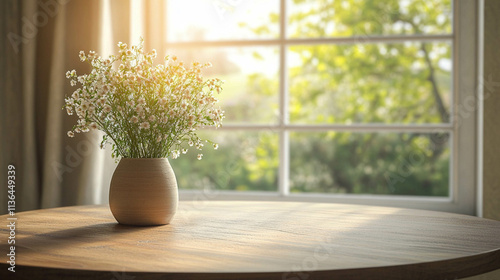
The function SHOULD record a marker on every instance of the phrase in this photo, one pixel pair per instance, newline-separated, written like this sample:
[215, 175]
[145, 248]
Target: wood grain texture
[143, 192]
[255, 240]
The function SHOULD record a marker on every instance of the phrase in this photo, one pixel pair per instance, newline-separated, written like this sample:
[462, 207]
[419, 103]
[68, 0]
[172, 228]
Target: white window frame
[462, 127]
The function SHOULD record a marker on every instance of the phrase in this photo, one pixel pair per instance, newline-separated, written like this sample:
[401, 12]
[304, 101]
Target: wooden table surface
[253, 240]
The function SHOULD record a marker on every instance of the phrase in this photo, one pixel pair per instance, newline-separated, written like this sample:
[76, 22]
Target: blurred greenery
[404, 83]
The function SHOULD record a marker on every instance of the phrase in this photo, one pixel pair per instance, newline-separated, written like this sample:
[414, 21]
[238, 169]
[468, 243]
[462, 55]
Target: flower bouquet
[147, 113]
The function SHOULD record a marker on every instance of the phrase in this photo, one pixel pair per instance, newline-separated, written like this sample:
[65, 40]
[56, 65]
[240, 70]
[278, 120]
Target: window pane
[244, 161]
[250, 89]
[346, 18]
[370, 83]
[200, 20]
[370, 163]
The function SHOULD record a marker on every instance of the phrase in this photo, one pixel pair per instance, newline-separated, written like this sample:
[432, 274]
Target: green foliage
[390, 83]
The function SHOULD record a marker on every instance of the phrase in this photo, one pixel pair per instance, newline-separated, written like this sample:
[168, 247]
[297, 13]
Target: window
[350, 101]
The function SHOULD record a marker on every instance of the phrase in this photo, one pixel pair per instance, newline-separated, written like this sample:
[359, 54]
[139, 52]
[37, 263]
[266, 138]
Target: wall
[491, 159]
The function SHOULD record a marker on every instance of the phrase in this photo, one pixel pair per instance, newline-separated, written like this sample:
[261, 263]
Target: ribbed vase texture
[143, 192]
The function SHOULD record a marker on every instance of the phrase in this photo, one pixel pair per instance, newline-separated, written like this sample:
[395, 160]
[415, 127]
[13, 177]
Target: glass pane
[370, 83]
[346, 18]
[208, 20]
[244, 161]
[370, 163]
[251, 84]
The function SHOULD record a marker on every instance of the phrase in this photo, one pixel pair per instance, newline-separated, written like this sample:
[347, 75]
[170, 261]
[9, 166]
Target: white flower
[82, 56]
[179, 101]
[84, 106]
[144, 125]
[216, 146]
[71, 134]
[199, 156]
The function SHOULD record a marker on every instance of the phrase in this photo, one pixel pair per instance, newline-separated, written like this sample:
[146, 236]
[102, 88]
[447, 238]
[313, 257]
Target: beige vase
[143, 192]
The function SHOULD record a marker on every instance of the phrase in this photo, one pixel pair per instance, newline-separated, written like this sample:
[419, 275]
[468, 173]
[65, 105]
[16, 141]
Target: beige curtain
[40, 42]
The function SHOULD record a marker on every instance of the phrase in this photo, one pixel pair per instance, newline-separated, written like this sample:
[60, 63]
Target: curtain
[40, 42]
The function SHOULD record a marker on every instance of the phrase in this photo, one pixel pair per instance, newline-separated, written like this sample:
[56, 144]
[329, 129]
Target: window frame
[462, 127]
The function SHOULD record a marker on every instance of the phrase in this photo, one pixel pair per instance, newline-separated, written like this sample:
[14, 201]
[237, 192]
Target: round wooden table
[253, 240]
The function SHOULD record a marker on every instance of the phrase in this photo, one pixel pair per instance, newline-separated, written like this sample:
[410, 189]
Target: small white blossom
[84, 106]
[144, 125]
[175, 154]
[170, 101]
[82, 56]
[216, 146]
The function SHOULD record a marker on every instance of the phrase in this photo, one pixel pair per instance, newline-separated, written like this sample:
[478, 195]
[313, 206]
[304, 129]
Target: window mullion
[284, 151]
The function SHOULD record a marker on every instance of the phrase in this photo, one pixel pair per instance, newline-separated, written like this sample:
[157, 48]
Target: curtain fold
[43, 41]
